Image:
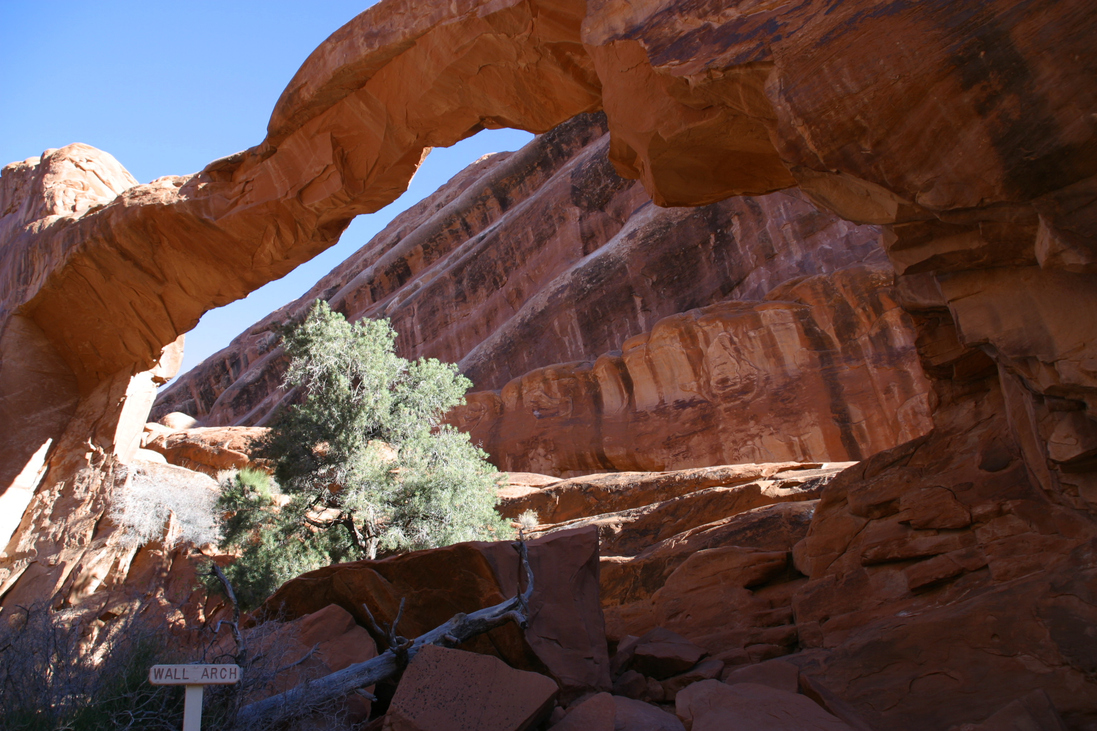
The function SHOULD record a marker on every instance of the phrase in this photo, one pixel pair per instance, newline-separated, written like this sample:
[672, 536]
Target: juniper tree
[364, 461]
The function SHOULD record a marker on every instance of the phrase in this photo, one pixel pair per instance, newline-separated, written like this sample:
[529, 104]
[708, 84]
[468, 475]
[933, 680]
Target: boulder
[704, 670]
[1031, 712]
[661, 653]
[565, 637]
[714, 706]
[311, 647]
[177, 421]
[605, 712]
[773, 673]
[206, 449]
[452, 690]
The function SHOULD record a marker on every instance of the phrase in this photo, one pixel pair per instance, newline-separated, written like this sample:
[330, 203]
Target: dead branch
[460, 628]
[234, 624]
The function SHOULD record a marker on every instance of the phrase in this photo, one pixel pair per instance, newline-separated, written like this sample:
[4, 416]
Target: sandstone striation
[823, 369]
[529, 259]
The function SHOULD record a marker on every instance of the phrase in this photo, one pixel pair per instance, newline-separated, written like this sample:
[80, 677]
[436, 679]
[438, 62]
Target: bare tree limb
[234, 625]
[458, 629]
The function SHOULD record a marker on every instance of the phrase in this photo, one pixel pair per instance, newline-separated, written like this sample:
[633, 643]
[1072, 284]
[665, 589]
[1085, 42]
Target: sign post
[195, 677]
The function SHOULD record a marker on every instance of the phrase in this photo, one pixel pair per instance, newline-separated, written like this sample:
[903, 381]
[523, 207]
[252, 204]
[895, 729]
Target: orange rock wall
[544, 256]
[824, 370]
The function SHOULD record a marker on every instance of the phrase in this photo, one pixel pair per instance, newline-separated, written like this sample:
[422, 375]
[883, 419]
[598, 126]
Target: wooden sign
[194, 674]
[195, 677]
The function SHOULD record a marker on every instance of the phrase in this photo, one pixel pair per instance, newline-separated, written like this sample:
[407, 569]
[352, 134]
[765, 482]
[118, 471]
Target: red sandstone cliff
[528, 262]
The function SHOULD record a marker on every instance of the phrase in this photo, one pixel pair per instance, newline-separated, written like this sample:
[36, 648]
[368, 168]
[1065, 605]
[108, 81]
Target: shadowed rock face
[964, 130]
[545, 255]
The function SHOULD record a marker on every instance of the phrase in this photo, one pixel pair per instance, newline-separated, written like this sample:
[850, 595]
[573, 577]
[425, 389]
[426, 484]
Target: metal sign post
[195, 677]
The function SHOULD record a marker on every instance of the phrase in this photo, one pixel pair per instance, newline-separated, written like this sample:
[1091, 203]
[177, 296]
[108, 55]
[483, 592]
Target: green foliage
[364, 461]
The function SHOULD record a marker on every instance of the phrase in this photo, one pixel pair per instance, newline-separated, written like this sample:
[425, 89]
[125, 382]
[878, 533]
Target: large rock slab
[566, 633]
[208, 450]
[714, 706]
[581, 497]
[605, 712]
[942, 574]
[452, 690]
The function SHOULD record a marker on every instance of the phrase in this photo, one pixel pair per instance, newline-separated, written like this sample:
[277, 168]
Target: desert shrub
[154, 492]
[366, 465]
[51, 678]
[57, 676]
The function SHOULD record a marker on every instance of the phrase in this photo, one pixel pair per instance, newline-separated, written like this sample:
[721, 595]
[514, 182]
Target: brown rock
[704, 670]
[963, 131]
[631, 684]
[712, 706]
[566, 633]
[721, 613]
[605, 712]
[631, 531]
[334, 641]
[661, 653]
[589, 251]
[623, 656]
[777, 674]
[945, 611]
[453, 690]
[582, 497]
[733, 368]
[1032, 711]
[177, 421]
[207, 449]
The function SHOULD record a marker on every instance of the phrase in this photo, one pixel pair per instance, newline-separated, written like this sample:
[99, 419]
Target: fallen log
[460, 628]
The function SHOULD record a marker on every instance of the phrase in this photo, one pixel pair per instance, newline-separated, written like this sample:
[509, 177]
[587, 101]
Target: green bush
[364, 461]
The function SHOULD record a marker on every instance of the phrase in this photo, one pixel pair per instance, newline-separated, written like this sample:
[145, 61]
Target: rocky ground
[798, 595]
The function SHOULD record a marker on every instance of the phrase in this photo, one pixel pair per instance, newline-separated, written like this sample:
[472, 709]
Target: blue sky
[168, 87]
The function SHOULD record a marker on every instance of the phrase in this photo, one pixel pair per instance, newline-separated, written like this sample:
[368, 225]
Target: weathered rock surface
[566, 633]
[453, 690]
[556, 502]
[1031, 711]
[204, 449]
[530, 259]
[660, 654]
[712, 706]
[605, 712]
[820, 371]
[942, 567]
[631, 531]
[311, 647]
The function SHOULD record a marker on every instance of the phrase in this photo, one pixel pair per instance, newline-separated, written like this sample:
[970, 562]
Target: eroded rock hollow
[937, 581]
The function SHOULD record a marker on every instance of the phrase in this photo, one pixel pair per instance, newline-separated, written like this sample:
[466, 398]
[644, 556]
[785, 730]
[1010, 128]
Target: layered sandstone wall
[824, 369]
[528, 262]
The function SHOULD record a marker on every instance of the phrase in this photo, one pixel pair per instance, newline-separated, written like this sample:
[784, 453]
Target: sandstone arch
[968, 131]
